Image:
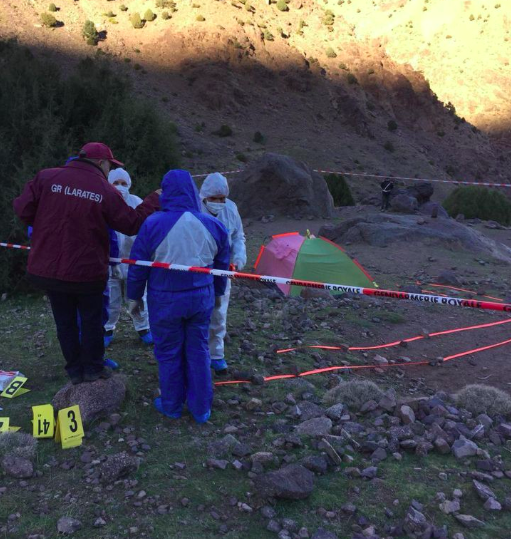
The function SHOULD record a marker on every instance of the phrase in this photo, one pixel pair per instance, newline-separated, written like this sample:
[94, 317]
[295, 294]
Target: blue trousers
[180, 327]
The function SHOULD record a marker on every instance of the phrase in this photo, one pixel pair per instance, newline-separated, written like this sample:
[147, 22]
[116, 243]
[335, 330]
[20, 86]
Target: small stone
[319, 426]
[274, 526]
[449, 507]
[469, 521]
[442, 446]
[254, 404]
[68, 525]
[406, 415]
[380, 360]
[458, 536]
[335, 412]
[17, 467]
[217, 464]
[483, 491]
[99, 522]
[268, 512]
[464, 448]
[457, 493]
[321, 533]
[492, 504]
[349, 508]
[370, 473]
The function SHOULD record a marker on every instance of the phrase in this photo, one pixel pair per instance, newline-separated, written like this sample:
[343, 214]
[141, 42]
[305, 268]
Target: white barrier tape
[459, 182]
[223, 173]
[393, 294]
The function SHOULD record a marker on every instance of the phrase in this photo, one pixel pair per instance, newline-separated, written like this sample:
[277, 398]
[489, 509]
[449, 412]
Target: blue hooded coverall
[180, 303]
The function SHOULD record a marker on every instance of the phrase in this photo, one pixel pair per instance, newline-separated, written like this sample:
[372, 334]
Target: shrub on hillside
[391, 125]
[61, 114]
[166, 16]
[482, 399]
[165, 4]
[282, 5]
[354, 394]
[136, 21]
[18, 444]
[48, 20]
[259, 138]
[122, 7]
[149, 16]
[224, 131]
[339, 190]
[331, 53]
[52, 7]
[479, 202]
[89, 33]
[200, 18]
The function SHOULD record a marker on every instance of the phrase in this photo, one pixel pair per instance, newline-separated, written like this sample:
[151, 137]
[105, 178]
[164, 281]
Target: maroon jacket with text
[71, 209]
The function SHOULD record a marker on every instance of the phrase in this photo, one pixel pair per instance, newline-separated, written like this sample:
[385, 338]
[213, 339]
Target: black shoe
[93, 376]
[76, 379]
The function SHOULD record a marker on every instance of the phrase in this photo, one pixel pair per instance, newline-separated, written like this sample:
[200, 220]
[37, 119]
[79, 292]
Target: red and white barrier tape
[363, 174]
[382, 176]
[393, 294]
[223, 173]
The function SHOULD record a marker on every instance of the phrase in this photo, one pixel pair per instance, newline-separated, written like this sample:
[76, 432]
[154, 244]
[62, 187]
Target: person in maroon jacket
[71, 209]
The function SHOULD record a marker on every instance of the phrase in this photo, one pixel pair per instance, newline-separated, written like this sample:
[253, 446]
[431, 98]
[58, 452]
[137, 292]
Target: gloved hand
[135, 307]
[116, 272]
[239, 265]
[218, 301]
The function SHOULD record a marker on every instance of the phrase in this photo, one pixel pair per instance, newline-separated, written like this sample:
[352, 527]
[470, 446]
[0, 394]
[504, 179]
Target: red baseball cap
[98, 150]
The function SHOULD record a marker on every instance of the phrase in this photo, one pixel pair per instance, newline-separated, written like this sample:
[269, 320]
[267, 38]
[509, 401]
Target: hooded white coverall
[118, 279]
[216, 185]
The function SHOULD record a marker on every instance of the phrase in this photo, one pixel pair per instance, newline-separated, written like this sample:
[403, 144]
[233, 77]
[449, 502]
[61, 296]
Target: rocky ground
[287, 458]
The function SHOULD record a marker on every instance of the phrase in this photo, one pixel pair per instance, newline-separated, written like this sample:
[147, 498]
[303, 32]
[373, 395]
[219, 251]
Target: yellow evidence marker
[43, 424]
[69, 427]
[15, 389]
[4, 424]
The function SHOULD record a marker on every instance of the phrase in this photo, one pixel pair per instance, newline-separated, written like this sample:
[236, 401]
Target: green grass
[27, 332]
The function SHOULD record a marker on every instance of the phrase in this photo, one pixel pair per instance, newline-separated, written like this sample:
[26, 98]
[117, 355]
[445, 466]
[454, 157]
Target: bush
[282, 6]
[52, 7]
[479, 202]
[61, 114]
[224, 131]
[89, 33]
[330, 53]
[482, 399]
[389, 147]
[351, 79]
[122, 7]
[48, 20]
[18, 444]
[259, 138]
[268, 36]
[339, 189]
[329, 18]
[200, 18]
[166, 16]
[241, 157]
[392, 125]
[353, 394]
[136, 21]
[149, 16]
[165, 4]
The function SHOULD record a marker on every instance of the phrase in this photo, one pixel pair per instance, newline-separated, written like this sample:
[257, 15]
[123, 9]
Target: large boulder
[422, 191]
[97, 399]
[294, 482]
[433, 209]
[381, 230]
[404, 204]
[279, 185]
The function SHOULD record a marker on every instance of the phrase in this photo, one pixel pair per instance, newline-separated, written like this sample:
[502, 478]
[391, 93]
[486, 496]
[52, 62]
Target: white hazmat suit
[215, 185]
[118, 278]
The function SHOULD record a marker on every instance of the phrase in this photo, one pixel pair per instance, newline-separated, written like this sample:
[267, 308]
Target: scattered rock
[483, 491]
[319, 426]
[335, 412]
[469, 521]
[294, 482]
[96, 400]
[464, 448]
[406, 414]
[321, 533]
[449, 507]
[404, 204]
[68, 525]
[117, 466]
[492, 504]
[17, 467]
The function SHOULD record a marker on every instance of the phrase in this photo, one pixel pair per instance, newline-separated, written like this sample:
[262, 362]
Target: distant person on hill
[117, 282]
[213, 194]
[180, 303]
[71, 209]
[386, 190]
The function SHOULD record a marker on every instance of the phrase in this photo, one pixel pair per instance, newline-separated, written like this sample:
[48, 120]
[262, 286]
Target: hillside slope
[318, 85]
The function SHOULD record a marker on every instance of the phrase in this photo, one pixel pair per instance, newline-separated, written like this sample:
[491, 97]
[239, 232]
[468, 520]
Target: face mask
[215, 207]
[123, 190]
